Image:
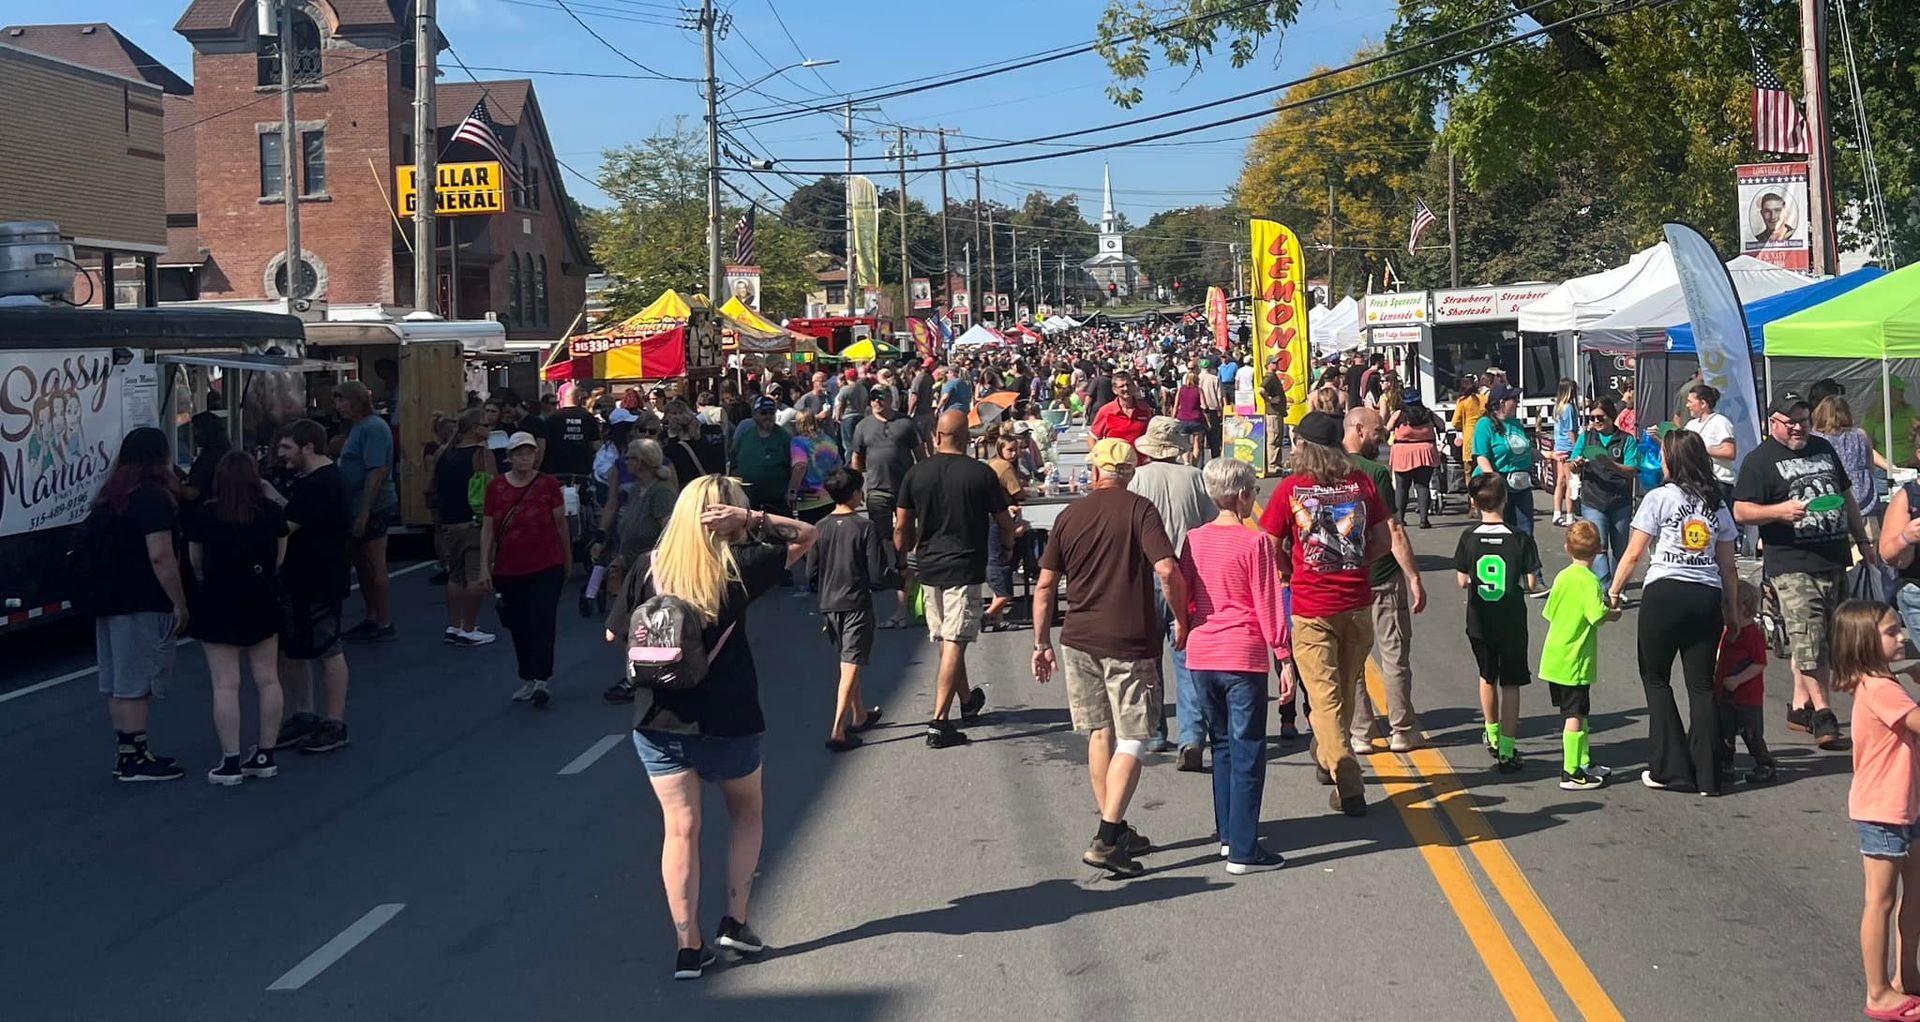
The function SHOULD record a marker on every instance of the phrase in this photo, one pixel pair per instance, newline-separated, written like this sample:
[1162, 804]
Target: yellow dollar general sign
[460, 189]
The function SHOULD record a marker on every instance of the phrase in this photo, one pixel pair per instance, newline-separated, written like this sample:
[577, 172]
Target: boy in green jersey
[1570, 660]
[1497, 565]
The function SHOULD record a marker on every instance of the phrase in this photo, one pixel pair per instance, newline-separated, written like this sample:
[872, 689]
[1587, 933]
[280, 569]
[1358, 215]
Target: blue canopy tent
[1772, 307]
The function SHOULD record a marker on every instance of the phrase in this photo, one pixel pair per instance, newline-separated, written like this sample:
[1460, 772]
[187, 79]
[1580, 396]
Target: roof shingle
[220, 15]
[97, 45]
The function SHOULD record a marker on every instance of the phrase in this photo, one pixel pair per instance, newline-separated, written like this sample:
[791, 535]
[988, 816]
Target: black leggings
[1680, 618]
[529, 608]
[1420, 481]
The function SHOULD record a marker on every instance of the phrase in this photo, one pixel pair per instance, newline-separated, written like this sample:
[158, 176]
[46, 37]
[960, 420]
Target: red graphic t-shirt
[525, 536]
[1738, 650]
[1325, 530]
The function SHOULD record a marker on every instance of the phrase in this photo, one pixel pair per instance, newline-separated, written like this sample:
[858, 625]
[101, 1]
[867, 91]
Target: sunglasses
[1597, 417]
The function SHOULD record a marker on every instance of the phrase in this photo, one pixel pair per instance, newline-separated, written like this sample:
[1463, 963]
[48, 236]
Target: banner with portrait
[864, 202]
[61, 419]
[922, 293]
[1280, 313]
[743, 282]
[1773, 214]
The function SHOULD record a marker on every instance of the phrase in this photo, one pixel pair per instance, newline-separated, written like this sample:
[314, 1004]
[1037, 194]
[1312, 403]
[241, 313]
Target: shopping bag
[1872, 581]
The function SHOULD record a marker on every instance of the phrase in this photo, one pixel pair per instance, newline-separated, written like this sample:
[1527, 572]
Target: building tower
[1115, 273]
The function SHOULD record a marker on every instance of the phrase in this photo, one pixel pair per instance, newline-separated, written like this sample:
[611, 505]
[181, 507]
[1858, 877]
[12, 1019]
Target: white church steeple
[1108, 223]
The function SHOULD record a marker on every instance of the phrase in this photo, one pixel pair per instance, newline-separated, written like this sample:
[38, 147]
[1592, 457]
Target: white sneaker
[1360, 748]
[1403, 742]
[453, 636]
[478, 637]
[1646, 778]
[525, 693]
[1225, 851]
[1597, 770]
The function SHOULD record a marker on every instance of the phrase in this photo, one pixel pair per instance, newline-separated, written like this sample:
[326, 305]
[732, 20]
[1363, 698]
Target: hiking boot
[1800, 718]
[1826, 729]
[1135, 842]
[1114, 859]
[691, 960]
[1189, 761]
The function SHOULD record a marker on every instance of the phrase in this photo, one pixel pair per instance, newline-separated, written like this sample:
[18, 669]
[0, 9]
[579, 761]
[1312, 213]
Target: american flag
[1778, 126]
[1423, 218]
[743, 240]
[480, 130]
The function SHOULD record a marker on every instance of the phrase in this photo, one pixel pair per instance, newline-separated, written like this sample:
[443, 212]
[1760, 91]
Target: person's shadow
[1017, 908]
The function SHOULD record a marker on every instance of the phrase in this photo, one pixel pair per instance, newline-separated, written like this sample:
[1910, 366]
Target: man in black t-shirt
[314, 581]
[141, 606]
[1795, 489]
[945, 505]
[514, 418]
[572, 433]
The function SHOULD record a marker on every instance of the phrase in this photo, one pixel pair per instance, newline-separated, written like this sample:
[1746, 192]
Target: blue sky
[586, 116]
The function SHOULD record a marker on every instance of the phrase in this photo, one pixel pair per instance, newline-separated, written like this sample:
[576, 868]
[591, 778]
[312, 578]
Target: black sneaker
[541, 696]
[227, 774]
[1351, 805]
[688, 963]
[1135, 842]
[1765, 774]
[1511, 765]
[328, 736]
[1493, 749]
[1189, 761]
[970, 708]
[367, 631]
[735, 935]
[260, 764]
[1826, 729]
[1800, 718]
[142, 766]
[1579, 780]
[619, 692]
[943, 735]
[296, 729]
[1262, 861]
[1114, 859]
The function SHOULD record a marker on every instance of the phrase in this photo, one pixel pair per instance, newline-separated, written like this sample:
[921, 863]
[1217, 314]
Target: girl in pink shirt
[1237, 627]
[1884, 801]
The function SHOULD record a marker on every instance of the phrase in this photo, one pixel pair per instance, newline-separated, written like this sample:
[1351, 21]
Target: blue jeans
[1616, 527]
[1520, 510]
[1186, 695]
[1236, 708]
[1906, 600]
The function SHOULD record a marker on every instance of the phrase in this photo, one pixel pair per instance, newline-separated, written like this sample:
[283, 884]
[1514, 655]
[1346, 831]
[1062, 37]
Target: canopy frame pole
[1886, 401]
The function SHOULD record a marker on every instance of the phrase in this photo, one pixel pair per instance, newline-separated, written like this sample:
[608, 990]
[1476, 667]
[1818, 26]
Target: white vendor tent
[1582, 302]
[1336, 329]
[979, 336]
[1642, 325]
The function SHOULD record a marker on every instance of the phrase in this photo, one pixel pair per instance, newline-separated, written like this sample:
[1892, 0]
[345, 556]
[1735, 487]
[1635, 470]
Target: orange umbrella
[995, 405]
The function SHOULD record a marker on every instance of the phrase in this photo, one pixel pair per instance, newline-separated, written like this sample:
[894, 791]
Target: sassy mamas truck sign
[60, 422]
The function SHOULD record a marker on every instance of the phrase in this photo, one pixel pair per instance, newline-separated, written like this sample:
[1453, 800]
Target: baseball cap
[1785, 402]
[521, 440]
[1320, 428]
[1502, 392]
[880, 393]
[1112, 452]
[764, 403]
[1410, 397]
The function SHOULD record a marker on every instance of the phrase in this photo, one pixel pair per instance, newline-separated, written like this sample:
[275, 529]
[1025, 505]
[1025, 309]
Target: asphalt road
[468, 858]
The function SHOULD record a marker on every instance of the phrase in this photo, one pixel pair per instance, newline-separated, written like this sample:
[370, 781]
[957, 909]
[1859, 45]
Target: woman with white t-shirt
[1689, 598]
[1716, 432]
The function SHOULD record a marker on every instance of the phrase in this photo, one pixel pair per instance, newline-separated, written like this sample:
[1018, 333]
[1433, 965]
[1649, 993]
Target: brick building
[353, 112]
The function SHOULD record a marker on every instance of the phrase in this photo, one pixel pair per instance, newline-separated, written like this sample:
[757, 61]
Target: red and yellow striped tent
[649, 345]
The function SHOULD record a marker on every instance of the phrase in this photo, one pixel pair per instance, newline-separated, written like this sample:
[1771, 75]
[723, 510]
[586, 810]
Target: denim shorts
[665, 753]
[1885, 840]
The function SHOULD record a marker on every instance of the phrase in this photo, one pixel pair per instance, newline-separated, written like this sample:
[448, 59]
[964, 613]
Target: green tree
[1187, 250]
[820, 208]
[654, 235]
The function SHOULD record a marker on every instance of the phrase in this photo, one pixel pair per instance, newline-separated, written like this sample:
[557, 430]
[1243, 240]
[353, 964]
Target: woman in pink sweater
[1238, 627]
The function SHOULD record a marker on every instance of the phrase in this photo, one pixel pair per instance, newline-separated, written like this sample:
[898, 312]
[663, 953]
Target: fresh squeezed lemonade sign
[59, 426]
[1280, 313]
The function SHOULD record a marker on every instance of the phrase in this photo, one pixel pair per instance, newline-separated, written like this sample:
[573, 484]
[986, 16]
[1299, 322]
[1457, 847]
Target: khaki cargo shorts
[1105, 692]
[1807, 602]
[953, 612]
[460, 552]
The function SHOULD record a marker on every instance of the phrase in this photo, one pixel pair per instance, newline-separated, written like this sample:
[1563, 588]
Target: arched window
[526, 292]
[540, 292]
[306, 52]
[513, 289]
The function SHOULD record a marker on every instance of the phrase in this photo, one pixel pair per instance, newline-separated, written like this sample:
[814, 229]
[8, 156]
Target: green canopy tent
[1869, 340]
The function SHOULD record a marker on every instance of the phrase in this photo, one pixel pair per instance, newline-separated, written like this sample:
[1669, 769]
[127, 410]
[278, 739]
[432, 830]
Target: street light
[783, 70]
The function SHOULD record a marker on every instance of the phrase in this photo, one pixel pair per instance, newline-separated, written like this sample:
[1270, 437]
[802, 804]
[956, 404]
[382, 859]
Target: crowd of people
[890, 494]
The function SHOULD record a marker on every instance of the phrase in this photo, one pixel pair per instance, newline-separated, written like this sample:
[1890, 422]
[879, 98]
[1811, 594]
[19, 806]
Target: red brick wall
[350, 231]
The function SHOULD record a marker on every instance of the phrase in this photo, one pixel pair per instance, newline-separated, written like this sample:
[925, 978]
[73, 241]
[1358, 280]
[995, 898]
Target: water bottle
[1085, 481]
[1651, 474]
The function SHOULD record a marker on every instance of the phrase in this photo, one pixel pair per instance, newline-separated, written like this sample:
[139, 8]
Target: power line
[774, 9]
[1614, 8]
[617, 51]
[610, 14]
[275, 94]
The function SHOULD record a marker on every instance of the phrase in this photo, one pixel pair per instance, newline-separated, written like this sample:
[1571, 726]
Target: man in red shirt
[1331, 524]
[1126, 416]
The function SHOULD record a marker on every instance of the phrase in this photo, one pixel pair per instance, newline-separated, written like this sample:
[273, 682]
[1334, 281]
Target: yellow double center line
[1425, 790]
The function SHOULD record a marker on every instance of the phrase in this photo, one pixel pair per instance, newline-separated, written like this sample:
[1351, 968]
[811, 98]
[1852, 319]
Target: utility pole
[1332, 238]
[1238, 280]
[946, 254]
[1453, 229]
[289, 146]
[906, 268]
[853, 255]
[1014, 243]
[966, 252]
[1039, 281]
[426, 177]
[1813, 70]
[973, 295]
[715, 276]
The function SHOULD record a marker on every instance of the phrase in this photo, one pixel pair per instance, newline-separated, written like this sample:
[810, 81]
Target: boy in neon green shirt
[1570, 660]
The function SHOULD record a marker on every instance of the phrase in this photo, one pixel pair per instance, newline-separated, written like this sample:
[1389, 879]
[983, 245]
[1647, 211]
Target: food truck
[1467, 330]
[73, 381]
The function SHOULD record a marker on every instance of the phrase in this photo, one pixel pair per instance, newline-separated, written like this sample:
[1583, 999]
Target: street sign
[460, 189]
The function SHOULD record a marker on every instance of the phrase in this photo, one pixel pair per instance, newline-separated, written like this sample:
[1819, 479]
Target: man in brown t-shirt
[1110, 545]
